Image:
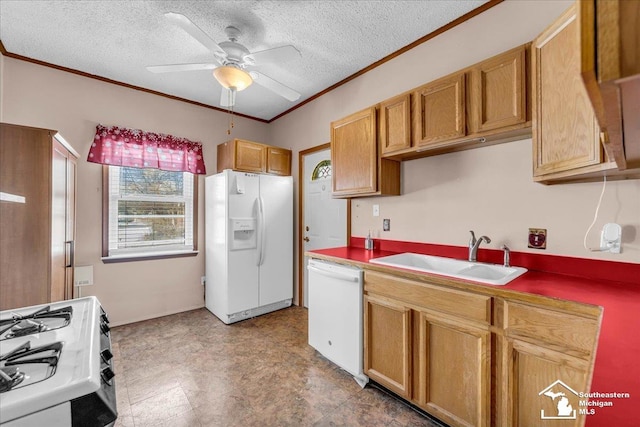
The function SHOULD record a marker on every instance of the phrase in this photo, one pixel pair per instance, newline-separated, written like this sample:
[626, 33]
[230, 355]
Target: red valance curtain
[117, 146]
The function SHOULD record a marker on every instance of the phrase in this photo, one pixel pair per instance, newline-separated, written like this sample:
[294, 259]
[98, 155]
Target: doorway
[324, 222]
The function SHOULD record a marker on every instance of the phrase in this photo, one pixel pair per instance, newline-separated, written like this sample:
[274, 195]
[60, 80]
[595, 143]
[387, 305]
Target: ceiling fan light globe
[232, 77]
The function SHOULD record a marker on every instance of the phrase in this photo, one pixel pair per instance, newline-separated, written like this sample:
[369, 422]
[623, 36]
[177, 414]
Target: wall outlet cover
[386, 224]
[537, 238]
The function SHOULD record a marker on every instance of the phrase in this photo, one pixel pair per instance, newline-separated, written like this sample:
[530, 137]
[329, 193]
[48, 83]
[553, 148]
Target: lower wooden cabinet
[545, 359]
[388, 344]
[429, 345]
[479, 359]
[454, 356]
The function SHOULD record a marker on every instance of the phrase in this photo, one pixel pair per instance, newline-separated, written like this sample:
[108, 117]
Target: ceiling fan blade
[275, 55]
[180, 67]
[227, 97]
[274, 86]
[194, 31]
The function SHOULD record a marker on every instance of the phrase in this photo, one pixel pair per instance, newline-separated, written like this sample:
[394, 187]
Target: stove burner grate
[24, 365]
[42, 320]
[10, 377]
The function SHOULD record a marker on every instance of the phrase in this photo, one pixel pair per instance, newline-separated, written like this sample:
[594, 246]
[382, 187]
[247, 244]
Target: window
[149, 213]
[322, 170]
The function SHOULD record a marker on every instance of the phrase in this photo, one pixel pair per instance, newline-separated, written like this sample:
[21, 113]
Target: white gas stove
[56, 366]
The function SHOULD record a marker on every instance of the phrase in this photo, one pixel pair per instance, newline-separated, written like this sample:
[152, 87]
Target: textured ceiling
[118, 39]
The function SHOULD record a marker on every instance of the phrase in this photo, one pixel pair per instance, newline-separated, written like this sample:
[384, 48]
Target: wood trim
[118, 83]
[398, 52]
[301, 154]
[376, 64]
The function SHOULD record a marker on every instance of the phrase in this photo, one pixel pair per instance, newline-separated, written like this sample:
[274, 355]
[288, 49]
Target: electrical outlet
[376, 210]
[386, 224]
[537, 238]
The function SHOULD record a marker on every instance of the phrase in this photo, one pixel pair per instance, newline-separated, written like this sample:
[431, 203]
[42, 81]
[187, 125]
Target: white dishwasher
[335, 315]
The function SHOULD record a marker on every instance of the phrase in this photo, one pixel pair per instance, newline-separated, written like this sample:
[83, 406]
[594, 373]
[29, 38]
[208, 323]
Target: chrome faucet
[473, 245]
[507, 255]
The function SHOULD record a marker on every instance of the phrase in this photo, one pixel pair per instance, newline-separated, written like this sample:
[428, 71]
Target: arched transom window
[322, 170]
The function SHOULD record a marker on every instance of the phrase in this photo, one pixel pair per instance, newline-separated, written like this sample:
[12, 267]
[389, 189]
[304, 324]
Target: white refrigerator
[249, 244]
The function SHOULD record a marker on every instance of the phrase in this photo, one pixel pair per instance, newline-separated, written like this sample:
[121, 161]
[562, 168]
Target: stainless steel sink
[492, 274]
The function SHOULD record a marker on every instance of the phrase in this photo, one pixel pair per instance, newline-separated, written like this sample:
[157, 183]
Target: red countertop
[617, 364]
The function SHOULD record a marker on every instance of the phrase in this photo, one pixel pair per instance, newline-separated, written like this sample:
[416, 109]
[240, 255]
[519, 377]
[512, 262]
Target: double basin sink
[492, 274]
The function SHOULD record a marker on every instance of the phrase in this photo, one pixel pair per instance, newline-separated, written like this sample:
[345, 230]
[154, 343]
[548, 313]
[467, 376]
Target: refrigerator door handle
[261, 231]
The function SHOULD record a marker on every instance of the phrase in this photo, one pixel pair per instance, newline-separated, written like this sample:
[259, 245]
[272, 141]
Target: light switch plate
[376, 210]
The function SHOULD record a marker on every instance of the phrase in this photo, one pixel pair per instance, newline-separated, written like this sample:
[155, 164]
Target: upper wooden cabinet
[249, 156]
[483, 104]
[395, 124]
[566, 136]
[357, 167]
[498, 92]
[278, 161]
[610, 69]
[439, 110]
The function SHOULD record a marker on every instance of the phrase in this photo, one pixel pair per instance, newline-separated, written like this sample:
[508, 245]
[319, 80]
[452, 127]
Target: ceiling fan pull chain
[230, 97]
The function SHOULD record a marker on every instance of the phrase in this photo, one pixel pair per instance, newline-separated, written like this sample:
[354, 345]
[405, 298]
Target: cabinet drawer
[464, 304]
[576, 333]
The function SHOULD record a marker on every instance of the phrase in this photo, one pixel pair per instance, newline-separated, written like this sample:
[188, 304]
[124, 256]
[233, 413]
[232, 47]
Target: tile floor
[190, 369]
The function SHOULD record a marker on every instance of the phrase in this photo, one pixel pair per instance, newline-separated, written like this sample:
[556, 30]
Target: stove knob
[105, 328]
[107, 374]
[106, 355]
[104, 318]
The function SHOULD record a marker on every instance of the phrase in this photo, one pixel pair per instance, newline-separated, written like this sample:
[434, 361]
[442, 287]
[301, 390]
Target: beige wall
[489, 189]
[44, 97]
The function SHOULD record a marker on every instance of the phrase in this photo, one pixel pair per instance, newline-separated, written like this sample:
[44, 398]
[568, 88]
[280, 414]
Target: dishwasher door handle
[334, 275]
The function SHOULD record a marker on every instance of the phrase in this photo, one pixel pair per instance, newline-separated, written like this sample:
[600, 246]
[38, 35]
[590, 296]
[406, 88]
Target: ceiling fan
[231, 60]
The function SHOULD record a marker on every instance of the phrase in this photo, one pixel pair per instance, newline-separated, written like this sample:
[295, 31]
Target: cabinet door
[541, 386]
[565, 131]
[387, 344]
[278, 161]
[545, 358]
[439, 110]
[354, 154]
[395, 124]
[25, 170]
[454, 370]
[250, 156]
[498, 92]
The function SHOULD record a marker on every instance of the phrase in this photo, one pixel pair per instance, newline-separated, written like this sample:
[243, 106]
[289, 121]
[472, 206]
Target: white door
[325, 219]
